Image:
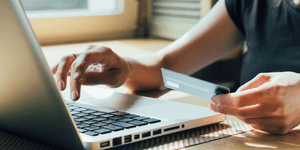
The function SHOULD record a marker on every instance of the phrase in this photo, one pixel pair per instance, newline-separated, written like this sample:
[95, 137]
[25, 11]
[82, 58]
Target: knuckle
[105, 50]
[91, 47]
[74, 64]
[65, 58]
[276, 92]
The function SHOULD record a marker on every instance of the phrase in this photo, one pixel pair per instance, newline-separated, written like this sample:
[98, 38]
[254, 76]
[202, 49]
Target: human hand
[96, 65]
[270, 102]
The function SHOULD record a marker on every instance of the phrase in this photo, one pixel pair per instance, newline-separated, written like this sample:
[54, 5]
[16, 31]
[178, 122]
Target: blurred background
[73, 21]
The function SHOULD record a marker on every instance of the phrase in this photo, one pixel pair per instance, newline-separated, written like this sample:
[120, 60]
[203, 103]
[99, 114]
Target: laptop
[32, 106]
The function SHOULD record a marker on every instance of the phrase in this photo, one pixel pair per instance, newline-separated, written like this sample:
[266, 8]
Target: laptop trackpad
[109, 98]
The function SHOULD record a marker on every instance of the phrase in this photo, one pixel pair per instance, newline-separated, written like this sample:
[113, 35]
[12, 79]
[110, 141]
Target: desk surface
[248, 140]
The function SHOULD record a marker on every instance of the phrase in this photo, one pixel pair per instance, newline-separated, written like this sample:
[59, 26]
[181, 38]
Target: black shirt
[272, 31]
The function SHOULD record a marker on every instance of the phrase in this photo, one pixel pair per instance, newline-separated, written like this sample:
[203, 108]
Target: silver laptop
[31, 105]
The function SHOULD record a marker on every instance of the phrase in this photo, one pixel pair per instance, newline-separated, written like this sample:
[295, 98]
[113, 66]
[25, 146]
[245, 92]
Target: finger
[62, 73]
[269, 124]
[212, 107]
[257, 81]
[78, 69]
[266, 121]
[260, 111]
[224, 109]
[261, 94]
[250, 112]
[75, 87]
[272, 129]
[54, 69]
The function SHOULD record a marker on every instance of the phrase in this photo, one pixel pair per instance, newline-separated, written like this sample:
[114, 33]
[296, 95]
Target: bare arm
[214, 37]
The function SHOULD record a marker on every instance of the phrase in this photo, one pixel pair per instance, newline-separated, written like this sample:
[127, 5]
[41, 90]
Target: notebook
[32, 106]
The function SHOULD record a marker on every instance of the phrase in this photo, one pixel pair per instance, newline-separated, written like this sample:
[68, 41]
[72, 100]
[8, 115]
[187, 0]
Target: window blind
[172, 18]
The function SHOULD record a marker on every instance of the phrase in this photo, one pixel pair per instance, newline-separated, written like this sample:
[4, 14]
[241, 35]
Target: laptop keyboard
[94, 122]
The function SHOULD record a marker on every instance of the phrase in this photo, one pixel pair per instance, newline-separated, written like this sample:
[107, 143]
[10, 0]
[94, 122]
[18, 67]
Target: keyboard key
[126, 120]
[116, 118]
[80, 126]
[98, 113]
[102, 131]
[123, 124]
[138, 123]
[89, 111]
[75, 117]
[93, 123]
[109, 121]
[99, 119]
[100, 124]
[74, 112]
[80, 109]
[77, 122]
[113, 128]
[120, 113]
[152, 120]
[72, 107]
[82, 130]
[91, 128]
[141, 118]
[91, 133]
[90, 122]
[80, 115]
[131, 116]
[80, 119]
[107, 115]
[90, 117]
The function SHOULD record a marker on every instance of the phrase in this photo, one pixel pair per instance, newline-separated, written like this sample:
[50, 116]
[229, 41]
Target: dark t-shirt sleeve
[235, 10]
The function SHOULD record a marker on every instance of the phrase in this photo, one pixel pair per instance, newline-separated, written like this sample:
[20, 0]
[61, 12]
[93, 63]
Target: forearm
[145, 73]
[212, 38]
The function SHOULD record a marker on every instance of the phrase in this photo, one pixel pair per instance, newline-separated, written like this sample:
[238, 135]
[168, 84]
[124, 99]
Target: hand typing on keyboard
[96, 65]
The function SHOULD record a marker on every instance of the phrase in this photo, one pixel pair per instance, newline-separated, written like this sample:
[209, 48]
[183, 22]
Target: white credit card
[191, 85]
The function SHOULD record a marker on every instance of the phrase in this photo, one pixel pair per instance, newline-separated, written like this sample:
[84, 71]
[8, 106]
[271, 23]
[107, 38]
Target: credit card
[191, 85]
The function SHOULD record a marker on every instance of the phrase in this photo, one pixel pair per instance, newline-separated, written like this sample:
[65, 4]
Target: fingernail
[74, 95]
[61, 85]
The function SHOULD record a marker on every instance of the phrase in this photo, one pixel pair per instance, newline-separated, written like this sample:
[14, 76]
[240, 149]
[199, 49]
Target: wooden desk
[249, 140]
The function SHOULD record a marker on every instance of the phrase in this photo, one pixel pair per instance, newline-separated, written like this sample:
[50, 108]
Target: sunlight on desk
[259, 145]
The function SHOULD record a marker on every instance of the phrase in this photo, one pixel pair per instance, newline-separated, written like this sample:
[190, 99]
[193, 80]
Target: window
[71, 8]
[69, 21]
